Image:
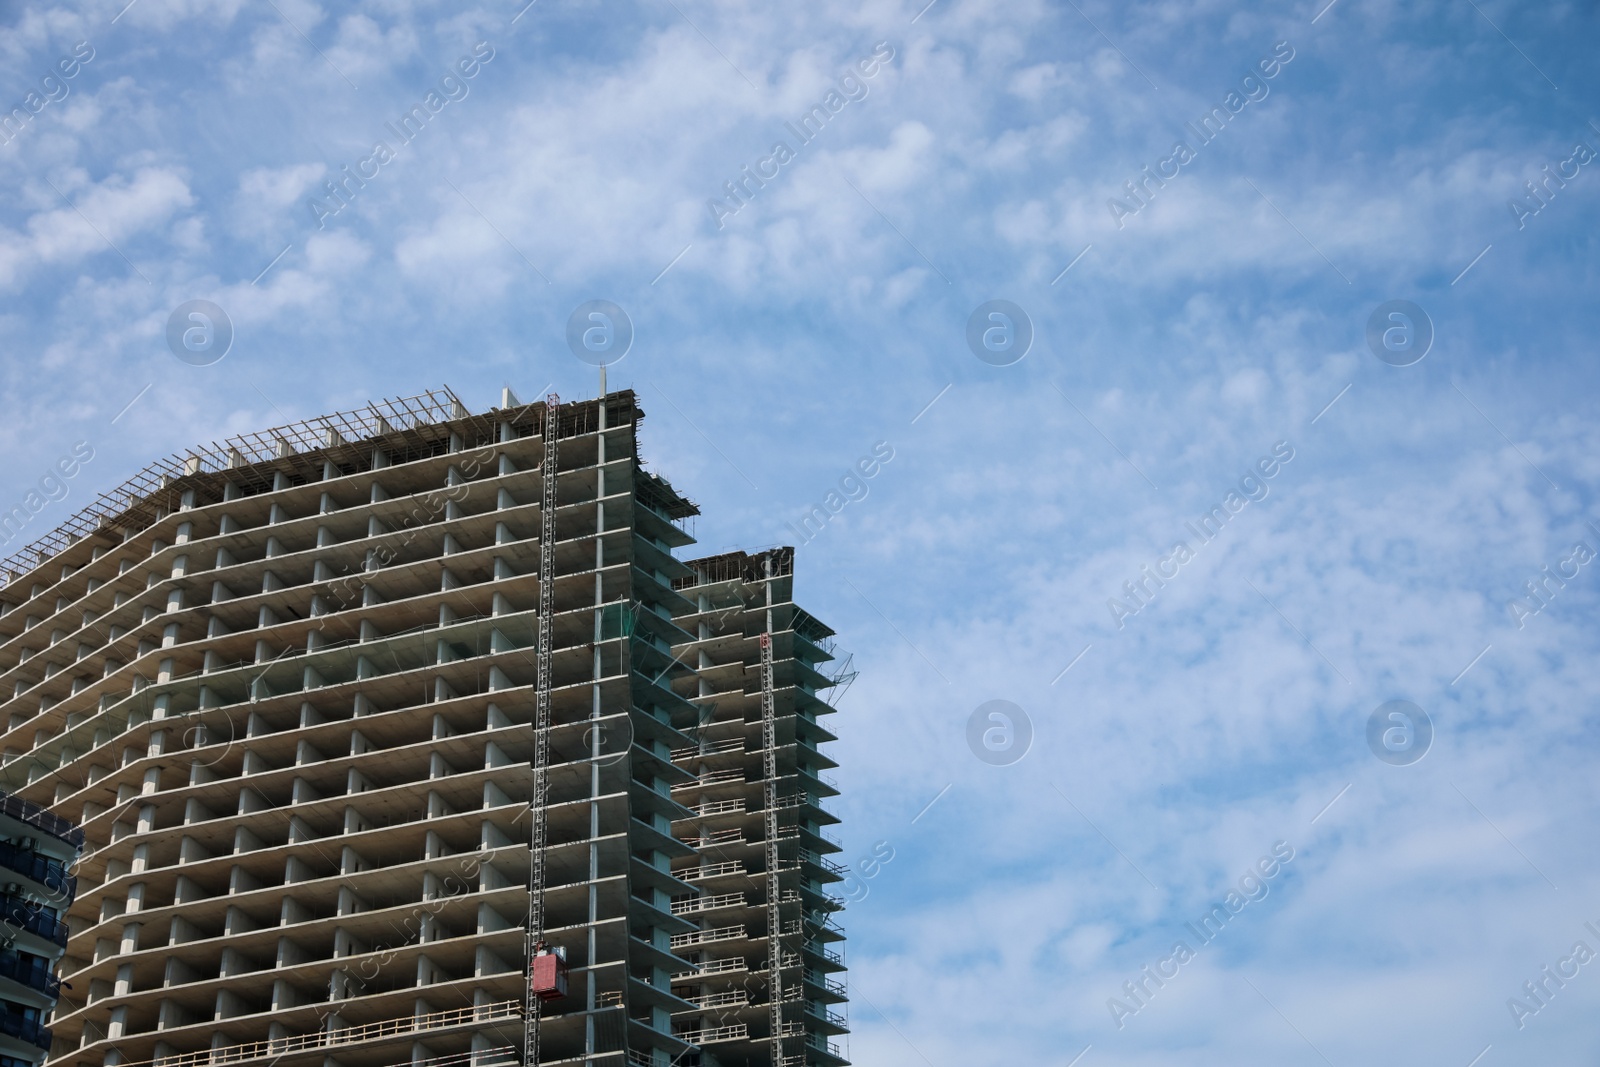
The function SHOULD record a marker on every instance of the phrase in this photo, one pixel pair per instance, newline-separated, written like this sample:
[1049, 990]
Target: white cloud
[277, 188]
[94, 219]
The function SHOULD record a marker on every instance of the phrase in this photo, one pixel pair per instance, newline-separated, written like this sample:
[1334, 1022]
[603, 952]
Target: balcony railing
[722, 966]
[44, 819]
[29, 1030]
[702, 937]
[732, 744]
[17, 914]
[710, 870]
[500, 1056]
[713, 778]
[736, 1032]
[816, 948]
[720, 807]
[41, 869]
[818, 978]
[690, 905]
[822, 1044]
[807, 856]
[278, 1047]
[736, 998]
[824, 778]
[825, 901]
[825, 644]
[831, 1017]
[716, 837]
[33, 973]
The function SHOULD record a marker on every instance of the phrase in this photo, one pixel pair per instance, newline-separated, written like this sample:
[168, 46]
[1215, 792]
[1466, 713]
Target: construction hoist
[535, 946]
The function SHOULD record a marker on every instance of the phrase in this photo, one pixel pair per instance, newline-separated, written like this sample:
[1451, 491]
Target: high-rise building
[38, 850]
[403, 737]
[757, 796]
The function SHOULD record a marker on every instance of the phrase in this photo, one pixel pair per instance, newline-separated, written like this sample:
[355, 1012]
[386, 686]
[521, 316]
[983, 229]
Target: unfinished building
[766, 958]
[403, 737]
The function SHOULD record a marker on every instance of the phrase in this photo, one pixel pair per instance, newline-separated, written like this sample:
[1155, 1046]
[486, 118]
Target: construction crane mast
[541, 725]
[769, 747]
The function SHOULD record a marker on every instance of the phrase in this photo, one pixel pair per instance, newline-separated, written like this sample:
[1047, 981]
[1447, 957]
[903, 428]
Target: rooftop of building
[739, 565]
[406, 427]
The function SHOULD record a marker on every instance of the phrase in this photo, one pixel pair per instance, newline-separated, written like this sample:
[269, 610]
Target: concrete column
[124, 984]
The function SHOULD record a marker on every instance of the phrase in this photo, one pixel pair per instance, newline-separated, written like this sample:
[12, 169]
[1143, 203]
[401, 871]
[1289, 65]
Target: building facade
[38, 851]
[360, 715]
[766, 956]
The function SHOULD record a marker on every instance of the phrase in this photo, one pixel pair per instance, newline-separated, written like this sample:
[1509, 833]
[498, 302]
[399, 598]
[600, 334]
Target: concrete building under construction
[404, 736]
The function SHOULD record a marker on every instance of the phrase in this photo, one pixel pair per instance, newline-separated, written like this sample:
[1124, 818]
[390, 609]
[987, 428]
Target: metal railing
[816, 948]
[45, 820]
[734, 963]
[721, 1000]
[716, 837]
[807, 856]
[711, 870]
[825, 644]
[736, 1032]
[733, 744]
[702, 937]
[41, 869]
[720, 807]
[499, 1056]
[828, 901]
[713, 778]
[831, 1017]
[29, 1030]
[350, 1035]
[34, 973]
[19, 914]
[822, 1044]
[691, 905]
[821, 979]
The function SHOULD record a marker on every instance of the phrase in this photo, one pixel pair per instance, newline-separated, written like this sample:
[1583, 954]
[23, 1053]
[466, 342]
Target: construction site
[406, 736]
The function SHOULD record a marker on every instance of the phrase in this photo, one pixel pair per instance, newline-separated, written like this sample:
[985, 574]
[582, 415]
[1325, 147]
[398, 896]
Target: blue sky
[1226, 315]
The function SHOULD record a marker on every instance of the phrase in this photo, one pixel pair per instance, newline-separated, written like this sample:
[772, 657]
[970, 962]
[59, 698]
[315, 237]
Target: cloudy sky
[1227, 314]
